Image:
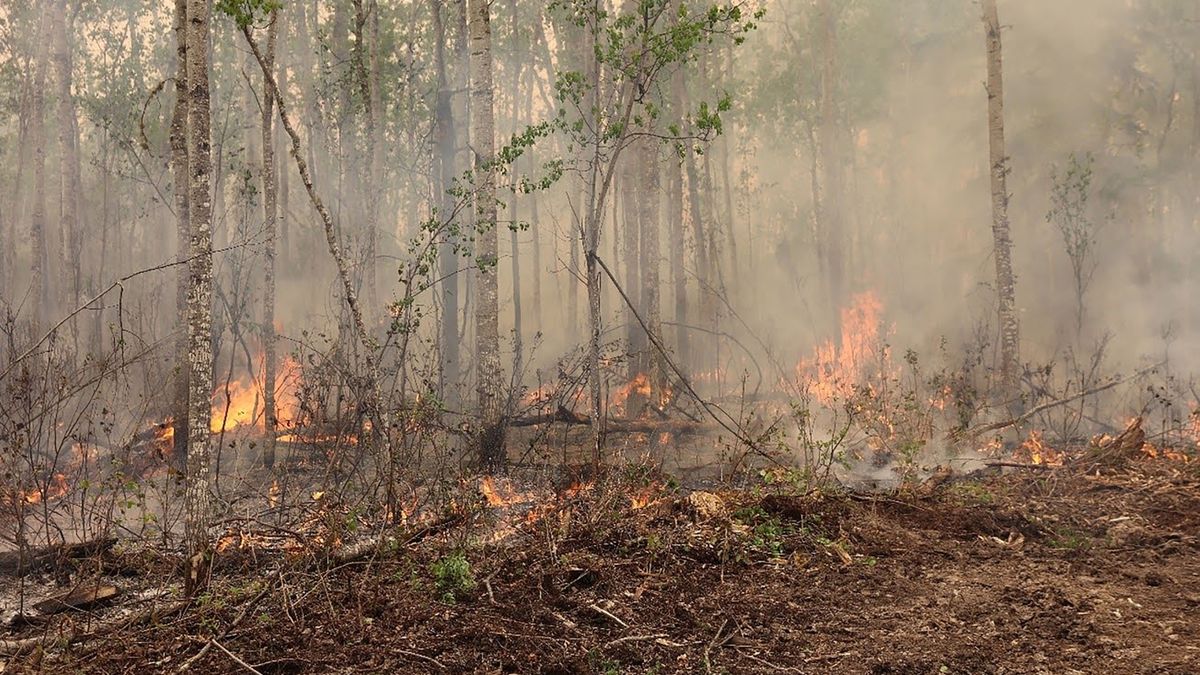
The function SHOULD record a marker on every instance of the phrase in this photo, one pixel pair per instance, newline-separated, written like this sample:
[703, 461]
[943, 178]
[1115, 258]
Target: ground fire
[622, 337]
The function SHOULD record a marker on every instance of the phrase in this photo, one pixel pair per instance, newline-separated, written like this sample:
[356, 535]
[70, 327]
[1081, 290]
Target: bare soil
[1068, 570]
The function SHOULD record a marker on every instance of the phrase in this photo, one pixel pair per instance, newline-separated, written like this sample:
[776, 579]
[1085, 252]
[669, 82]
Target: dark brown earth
[1039, 571]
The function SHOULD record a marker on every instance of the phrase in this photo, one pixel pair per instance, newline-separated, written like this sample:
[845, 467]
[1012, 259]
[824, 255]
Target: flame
[1154, 452]
[639, 385]
[835, 369]
[1037, 451]
[240, 403]
[57, 488]
[500, 492]
[649, 495]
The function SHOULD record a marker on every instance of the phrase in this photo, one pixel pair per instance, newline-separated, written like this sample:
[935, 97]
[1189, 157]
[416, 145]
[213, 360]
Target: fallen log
[642, 426]
[22, 562]
[84, 597]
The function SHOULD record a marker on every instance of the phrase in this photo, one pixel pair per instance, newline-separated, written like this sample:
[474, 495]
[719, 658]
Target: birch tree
[1001, 235]
[487, 320]
[271, 221]
[199, 300]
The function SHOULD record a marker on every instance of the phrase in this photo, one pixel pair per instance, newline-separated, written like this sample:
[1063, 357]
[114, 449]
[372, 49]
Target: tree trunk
[444, 139]
[487, 320]
[271, 221]
[69, 171]
[39, 280]
[200, 267]
[179, 171]
[630, 207]
[1001, 236]
[651, 302]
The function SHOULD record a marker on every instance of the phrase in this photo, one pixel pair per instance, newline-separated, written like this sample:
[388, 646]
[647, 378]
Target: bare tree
[200, 267]
[444, 137]
[271, 221]
[487, 321]
[1001, 235]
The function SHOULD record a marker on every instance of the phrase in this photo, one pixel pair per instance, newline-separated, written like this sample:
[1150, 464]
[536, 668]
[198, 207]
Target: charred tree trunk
[200, 267]
[487, 320]
[179, 171]
[1001, 236]
[271, 221]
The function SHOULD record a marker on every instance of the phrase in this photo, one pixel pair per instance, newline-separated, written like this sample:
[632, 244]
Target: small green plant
[767, 532]
[452, 576]
[1066, 539]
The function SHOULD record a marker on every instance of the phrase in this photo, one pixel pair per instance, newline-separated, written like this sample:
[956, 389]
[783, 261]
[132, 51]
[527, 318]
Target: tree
[271, 221]
[635, 50]
[1001, 235]
[68, 141]
[40, 280]
[199, 300]
[444, 139]
[487, 319]
[179, 169]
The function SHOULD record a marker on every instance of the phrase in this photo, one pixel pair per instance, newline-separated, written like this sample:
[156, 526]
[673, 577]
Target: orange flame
[835, 369]
[241, 403]
[1037, 451]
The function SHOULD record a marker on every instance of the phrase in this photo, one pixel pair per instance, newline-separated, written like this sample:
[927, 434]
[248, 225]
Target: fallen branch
[1019, 419]
[21, 563]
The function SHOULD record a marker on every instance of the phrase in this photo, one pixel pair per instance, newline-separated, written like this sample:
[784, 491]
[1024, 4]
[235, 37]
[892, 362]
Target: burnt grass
[1048, 571]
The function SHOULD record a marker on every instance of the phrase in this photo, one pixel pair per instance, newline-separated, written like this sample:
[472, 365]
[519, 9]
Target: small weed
[1066, 539]
[452, 576]
[767, 532]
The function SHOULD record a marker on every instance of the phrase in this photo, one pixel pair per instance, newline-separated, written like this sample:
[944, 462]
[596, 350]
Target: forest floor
[1067, 570]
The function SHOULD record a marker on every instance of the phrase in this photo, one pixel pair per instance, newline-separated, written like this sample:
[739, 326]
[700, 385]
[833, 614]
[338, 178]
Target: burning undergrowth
[624, 568]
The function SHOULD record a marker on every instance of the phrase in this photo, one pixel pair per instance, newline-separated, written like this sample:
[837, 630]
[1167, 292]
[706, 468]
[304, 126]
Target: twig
[418, 655]
[235, 657]
[600, 610]
[634, 638]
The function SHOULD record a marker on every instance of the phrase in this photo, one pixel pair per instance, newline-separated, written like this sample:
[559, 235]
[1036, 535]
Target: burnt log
[22, 562]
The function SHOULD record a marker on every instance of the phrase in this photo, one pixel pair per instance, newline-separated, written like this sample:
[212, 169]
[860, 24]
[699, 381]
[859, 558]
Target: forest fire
[1035, 450]
[58, 487]
[835, 369]
[240, 403]
[639, 386]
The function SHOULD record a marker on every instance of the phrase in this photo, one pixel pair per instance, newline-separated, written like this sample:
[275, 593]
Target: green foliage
[767, 532]
[247, 12]
[452, 576]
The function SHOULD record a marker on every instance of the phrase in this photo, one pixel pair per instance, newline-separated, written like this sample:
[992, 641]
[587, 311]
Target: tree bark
[179, 171]
[271, 221]
[487, 320]
[1001, 235]
[200, 267]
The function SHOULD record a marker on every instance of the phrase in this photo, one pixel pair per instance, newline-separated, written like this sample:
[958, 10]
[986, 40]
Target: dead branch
[23, 562]
[975, 432]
